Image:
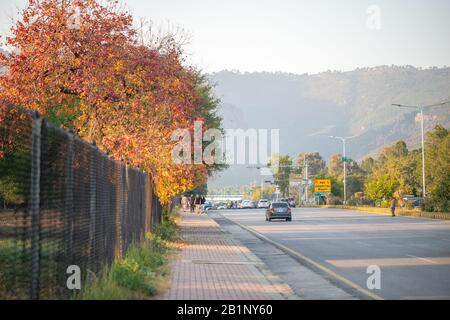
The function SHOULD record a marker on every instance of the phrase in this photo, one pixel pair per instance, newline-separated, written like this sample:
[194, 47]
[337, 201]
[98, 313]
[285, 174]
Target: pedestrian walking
[184, 202]
[393, 206]
[192, 204]
[198, 204]
[203, 201]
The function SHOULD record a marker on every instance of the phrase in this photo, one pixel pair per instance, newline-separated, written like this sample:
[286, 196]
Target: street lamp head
[343, 138]
[404, 106]
[334, 137]
[437, 104]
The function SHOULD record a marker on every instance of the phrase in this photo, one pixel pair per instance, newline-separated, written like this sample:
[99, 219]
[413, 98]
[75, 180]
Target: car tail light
[289, 210]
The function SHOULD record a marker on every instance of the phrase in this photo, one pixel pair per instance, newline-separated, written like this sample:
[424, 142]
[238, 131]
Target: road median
[399, 212]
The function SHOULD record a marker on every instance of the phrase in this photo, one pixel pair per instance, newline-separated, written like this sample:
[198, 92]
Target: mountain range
[308, 108]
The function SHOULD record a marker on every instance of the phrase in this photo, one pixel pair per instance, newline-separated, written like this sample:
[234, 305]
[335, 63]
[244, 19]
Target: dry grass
[416, 213]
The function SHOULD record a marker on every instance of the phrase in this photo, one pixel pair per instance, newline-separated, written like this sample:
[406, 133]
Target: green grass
[11, 270]
[139, 274]
[136, 276]
[15, 266]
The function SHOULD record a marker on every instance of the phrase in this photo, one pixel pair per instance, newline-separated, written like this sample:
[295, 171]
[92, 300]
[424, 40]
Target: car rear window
[279, 205]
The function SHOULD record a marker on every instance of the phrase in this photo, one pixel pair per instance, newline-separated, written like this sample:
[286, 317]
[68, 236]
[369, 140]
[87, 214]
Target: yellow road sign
[322, 185]
[322, 189]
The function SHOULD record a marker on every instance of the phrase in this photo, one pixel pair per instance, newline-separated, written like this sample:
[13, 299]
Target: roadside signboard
[322, 186]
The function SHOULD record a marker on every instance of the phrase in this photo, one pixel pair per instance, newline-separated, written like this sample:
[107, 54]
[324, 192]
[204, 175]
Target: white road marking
[423, 259]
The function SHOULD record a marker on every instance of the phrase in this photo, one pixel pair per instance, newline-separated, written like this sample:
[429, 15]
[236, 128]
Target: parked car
[416, 202]
[263, 204]
[279, 210]
[247, 204]
[221, 206]
[291, 202]
[209, 205]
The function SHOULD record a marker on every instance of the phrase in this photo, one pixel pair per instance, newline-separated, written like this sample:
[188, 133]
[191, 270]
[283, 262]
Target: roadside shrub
[138, 274]
[409, 205]
[167, 230]
[130, 275]
[136, 271]
[385, 204]
[368, 202]
[436, 204]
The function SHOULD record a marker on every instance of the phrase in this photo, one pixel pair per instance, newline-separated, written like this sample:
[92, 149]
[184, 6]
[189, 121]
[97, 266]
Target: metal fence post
[92, 205]
[118, 209]
[34, 205]
[124, 222]
[69, 204]
[148, 205]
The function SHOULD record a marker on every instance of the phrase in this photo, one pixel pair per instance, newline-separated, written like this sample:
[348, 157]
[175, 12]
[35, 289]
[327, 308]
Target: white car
[263, 204]
[221, 206]
[247, 204]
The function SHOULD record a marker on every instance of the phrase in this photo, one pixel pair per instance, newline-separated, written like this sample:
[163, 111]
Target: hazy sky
[299, 36]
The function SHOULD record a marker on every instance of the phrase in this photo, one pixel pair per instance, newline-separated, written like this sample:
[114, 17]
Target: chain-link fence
[63, 203]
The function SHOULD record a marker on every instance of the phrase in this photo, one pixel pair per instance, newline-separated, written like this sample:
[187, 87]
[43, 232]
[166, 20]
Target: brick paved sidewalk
[213, 266]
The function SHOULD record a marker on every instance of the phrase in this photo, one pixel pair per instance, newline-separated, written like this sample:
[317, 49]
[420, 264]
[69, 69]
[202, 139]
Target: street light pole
[344, 158]
[423, 153]
[306, 181]
[345, 170]
[422, 129]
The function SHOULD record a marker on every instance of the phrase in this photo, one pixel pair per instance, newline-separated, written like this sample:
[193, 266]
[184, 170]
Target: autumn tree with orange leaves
[79, 63]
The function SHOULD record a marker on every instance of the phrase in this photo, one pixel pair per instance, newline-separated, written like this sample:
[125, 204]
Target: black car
[279, 210]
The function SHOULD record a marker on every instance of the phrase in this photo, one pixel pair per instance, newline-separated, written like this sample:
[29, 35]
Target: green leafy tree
[394, 172]
[335, 166]
[282, 172]
[380, 187]
[257, 193]
[437, 161]
[367, 165]
[315, 163]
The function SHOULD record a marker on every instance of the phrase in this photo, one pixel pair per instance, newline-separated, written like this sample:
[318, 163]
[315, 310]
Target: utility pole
[423, 153]
[306, 180]
[422, 129]
[344, 160]
[344, 155]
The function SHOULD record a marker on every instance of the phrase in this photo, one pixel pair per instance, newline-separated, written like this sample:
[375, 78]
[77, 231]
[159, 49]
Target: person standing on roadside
[392, 206]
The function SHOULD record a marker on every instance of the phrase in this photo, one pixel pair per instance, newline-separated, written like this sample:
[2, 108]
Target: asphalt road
[413, 254]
